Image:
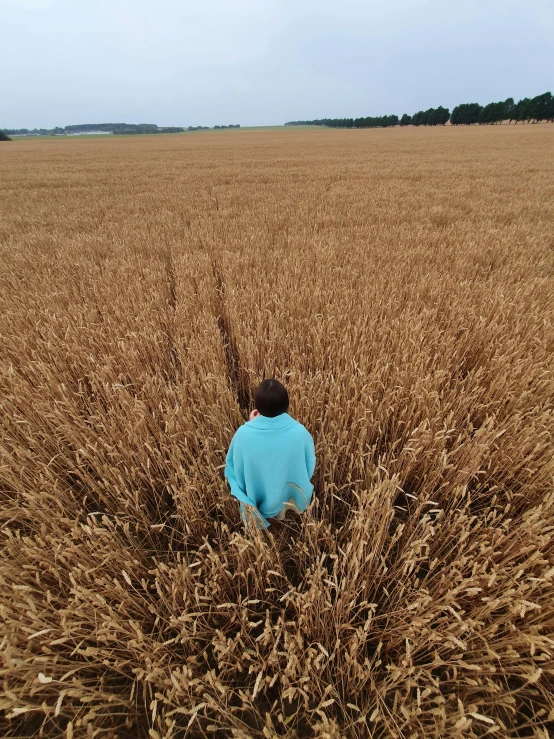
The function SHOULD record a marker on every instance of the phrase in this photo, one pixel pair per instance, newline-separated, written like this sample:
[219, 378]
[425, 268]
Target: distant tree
[521, 110]
[4, 136]
[406, 120]
[442, 116]
[493, 113]
[466, 114]
[456, 116]
[487, 114]
[540, 107]
[508, 109]
[473, 113]
[550, 109]
[427, 117]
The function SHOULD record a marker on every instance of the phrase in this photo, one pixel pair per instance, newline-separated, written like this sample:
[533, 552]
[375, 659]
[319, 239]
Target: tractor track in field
[175, 368]
[236, 375]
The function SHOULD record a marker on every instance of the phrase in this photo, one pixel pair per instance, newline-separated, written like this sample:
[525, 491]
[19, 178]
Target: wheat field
[401, 283]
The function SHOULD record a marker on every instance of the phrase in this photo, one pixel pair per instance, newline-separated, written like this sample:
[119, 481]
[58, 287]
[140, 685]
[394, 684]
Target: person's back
[271, 458]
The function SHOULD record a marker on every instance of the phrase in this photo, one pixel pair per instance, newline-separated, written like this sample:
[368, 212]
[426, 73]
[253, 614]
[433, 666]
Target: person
[271, 459]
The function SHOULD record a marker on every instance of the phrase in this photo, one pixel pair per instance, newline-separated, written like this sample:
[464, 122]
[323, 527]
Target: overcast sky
[263, 62]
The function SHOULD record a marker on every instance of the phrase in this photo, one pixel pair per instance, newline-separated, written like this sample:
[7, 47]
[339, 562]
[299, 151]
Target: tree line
[115, 128]
[207, 128]
[383, 121]
[431, 117]
[539, 108]
[139, 129]
[527, 110]
[118, 129]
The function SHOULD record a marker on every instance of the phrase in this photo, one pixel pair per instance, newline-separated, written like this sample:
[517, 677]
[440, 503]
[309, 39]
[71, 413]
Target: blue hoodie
[271, 460]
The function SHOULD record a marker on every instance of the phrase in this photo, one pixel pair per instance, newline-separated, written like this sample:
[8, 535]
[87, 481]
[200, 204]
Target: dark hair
[271, 398]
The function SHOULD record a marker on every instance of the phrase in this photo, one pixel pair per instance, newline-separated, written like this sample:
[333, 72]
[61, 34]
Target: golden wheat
[401, 282]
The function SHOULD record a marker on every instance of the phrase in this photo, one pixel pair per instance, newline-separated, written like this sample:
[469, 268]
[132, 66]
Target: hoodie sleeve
[234, 473]
[309, 450]
[238, 490]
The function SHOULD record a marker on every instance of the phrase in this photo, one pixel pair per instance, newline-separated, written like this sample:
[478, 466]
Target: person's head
[271, 398]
